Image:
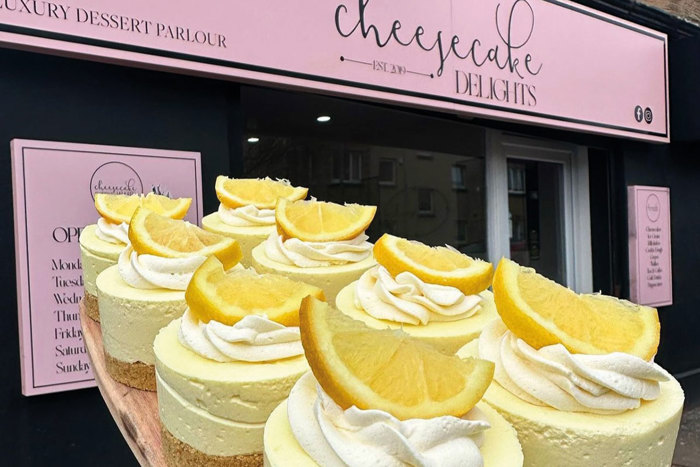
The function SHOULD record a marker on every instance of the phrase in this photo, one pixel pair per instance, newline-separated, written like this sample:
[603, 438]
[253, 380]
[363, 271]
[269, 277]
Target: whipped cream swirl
[407, 299]
[154, 272]
[112, 233]
[333, 437]
[295, 252]
[552, 376]
[252, 339]
[246, 216]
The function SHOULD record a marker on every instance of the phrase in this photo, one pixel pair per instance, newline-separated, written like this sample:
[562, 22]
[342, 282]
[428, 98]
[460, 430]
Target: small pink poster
[649, 211]
[53, 188]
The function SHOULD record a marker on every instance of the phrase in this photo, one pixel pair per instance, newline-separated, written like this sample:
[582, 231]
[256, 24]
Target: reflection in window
[387, 172]
[425, 201]
[425, 174]
[457, 177]
[347, 167]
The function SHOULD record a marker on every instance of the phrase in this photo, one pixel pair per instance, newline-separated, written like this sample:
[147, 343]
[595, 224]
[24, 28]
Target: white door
[538, 207]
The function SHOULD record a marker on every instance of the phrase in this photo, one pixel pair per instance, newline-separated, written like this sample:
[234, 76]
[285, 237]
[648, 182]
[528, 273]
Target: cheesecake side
[332, 279]
[248, 237]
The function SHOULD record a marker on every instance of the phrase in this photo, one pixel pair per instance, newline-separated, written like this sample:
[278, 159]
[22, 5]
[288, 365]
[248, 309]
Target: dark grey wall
[53, 98]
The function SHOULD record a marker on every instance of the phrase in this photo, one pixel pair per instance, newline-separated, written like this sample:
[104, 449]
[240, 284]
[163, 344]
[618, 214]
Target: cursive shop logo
[116, 178]
[653, 207]
[507, 54]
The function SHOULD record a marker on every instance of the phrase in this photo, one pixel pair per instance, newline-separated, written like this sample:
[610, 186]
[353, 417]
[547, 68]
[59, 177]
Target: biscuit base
[179, 454]
[91, 307]
[138, 375]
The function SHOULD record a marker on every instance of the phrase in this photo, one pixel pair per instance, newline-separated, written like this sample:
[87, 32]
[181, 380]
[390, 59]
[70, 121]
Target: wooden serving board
[134, 411]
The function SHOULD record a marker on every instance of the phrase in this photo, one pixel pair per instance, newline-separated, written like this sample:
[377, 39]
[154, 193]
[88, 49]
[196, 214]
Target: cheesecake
[211, 412]
[247, 236]
[499, 444]
[575, 374]
[332, 276]
[447, 335]
[102, 242]
[381, 397]
[99, 249]
[319, 243]
[247, 210]
[436, 294]
[146, 290]
[644, 436]
[227, 363]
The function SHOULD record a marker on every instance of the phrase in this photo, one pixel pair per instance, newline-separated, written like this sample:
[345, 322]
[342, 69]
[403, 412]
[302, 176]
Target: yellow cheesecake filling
[217, 402]
[316, 431]
[96, 255]
[203, 431]
[330, 278]
[132, 317]
[407, 299]
[236, 390]
[248, 237]
[554, 377]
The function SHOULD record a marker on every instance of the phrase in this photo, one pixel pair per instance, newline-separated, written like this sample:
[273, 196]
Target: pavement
[687, 452]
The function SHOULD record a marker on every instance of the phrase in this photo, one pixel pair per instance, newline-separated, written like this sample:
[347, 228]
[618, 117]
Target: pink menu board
[649, 211]
[53, 188]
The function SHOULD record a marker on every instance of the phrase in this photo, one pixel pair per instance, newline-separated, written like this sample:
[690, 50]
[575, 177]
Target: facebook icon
[638, 113]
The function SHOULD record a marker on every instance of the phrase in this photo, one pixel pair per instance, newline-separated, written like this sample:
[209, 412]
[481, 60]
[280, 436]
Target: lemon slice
[320, 221]
[119, 208]
[261, 193]
[153, 234]
[387, 370]
[542, 312]
[435, 265]
[214, 294]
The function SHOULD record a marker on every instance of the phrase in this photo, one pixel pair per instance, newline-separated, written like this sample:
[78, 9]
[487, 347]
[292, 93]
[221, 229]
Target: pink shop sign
[53, 187]
[542, 62]
[651, 278]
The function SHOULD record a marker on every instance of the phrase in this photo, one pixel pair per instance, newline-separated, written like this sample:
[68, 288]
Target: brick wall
[686, 9]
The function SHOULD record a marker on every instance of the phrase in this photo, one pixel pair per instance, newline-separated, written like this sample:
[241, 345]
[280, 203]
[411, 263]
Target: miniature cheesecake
[575, 375]
[247, 210]
[214, 413]
[248, 237]
[448, 336]
[102, 243]
[227, 363]
[131, 318]
[96, 255]
[499, 447]
[331, 278]
[146, 290]
[645, 436]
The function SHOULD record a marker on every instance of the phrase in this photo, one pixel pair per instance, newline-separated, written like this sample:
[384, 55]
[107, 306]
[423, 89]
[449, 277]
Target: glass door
[535, 216]
[538, 208]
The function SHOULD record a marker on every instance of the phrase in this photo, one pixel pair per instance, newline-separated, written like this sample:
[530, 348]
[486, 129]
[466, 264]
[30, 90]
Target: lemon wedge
[387, 370]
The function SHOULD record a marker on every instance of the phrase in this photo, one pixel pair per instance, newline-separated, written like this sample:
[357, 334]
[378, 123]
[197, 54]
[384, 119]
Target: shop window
[400, 161]
[387, 172]
[426, 205]
[347, 167]
[458, 177]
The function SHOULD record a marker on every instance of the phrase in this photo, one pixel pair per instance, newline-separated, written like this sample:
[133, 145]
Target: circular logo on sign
[653, 207]
[638, 113]
[648, 116]
[116, 178]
